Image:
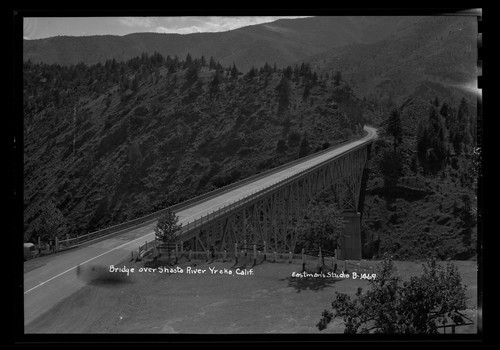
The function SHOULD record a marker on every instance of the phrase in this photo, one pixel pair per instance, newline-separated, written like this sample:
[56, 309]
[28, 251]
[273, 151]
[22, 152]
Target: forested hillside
[422, 183]
[110, 142]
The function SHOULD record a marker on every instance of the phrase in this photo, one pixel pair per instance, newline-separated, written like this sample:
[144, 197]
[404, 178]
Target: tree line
[445, 134]
[60, 82]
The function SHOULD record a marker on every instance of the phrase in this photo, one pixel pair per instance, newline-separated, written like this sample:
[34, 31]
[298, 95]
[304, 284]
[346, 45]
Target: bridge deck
[215, 203]
[55, 277]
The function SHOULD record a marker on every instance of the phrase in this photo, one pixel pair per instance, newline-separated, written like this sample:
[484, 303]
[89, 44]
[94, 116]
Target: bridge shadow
[313, 281]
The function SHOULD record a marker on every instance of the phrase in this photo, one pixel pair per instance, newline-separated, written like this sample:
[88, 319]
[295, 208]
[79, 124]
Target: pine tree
[134, 85]
[135, 157]
[304, 148]
[314, 78]
[305, 70]
[124, 83]
[167, 227]
[293, 139]
[252, 73]
[436, 102]
[337, 78]
[391, 167]
[464, 125]
[296, 73]
[422, 143]
[214, 85]
[394, 127]
[188, 61]
[51, 222]
[281, 146]
[234, 72]
[191, 74]
[445, 112]
[307, 91]
[283, 95]
[437, 149]
[211, 63]
[267, 69]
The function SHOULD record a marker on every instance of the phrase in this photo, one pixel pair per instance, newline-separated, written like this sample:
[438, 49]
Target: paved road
[55, 277]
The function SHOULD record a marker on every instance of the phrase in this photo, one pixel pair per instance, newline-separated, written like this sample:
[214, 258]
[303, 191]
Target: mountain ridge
[293, 40]
[385, 58]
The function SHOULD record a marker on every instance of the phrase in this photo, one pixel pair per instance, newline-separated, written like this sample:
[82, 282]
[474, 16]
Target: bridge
[263, 210]
[259, 209]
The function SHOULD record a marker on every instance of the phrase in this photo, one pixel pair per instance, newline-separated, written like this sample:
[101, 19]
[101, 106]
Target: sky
[44, 27]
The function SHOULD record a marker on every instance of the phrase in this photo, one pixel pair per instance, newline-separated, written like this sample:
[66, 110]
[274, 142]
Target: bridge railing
[221, 211]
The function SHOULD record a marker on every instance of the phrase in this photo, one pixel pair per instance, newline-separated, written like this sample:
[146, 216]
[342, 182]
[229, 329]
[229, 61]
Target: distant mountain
[384, 58]
[427, 57]
[283, 42]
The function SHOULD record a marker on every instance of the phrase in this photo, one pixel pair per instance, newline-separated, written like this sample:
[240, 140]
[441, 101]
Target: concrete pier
[350, 245]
